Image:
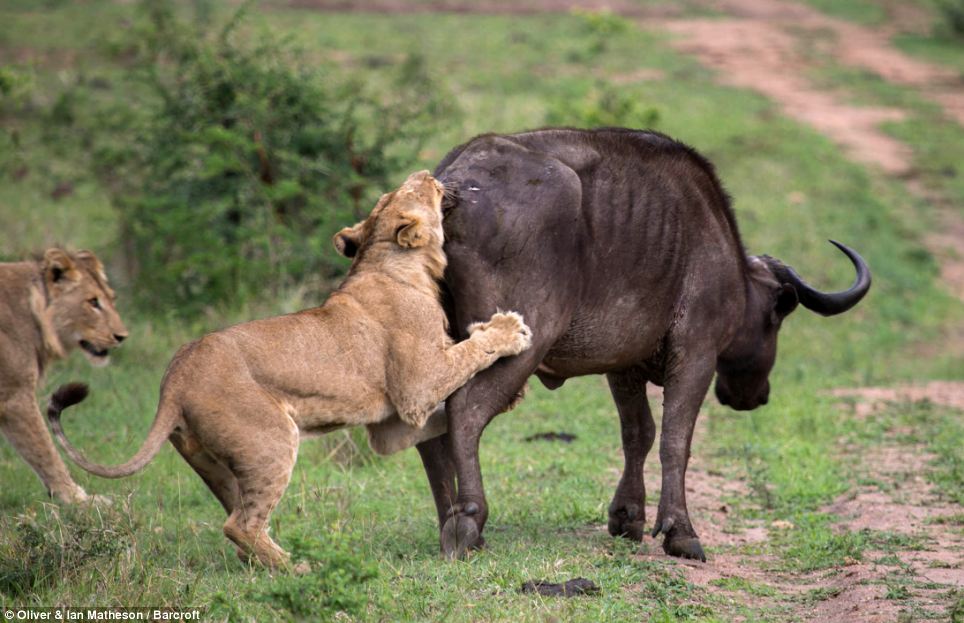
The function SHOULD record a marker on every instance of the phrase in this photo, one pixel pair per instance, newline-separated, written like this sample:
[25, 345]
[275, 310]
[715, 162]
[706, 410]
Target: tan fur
[236, 402]
[46, 310]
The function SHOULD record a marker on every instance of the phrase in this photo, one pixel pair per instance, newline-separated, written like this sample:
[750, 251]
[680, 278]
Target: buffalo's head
[773, 291]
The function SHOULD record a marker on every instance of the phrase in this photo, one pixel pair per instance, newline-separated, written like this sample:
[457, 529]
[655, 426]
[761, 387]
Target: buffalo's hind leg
[627, 512]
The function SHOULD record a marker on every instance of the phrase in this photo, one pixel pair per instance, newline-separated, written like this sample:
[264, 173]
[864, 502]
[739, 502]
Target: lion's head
[76, 308]
[410, 218]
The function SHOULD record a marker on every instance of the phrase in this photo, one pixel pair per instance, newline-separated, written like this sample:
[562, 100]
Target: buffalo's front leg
[470, 409]
[683, 395]
[627, 512]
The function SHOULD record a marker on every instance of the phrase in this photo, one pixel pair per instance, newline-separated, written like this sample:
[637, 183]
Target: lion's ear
[58, 266]
[411, 231]
[348, 240]
[88, 259]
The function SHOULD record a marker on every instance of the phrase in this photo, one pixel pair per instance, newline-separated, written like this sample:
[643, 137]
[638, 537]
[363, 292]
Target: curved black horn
[826, 303]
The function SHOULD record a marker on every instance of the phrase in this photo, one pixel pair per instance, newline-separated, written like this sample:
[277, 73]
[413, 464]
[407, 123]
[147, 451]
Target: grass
[368, 523]
[866, 12]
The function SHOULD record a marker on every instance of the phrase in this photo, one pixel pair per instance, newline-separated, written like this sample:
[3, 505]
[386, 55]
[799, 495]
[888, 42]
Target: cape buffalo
[620, 249]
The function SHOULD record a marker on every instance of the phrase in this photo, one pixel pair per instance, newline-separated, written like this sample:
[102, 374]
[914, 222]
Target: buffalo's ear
[348, 240]
[58, 266]
[411, 231]
[787, 301]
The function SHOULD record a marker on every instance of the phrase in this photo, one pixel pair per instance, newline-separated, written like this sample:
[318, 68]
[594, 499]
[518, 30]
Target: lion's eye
[94, 302]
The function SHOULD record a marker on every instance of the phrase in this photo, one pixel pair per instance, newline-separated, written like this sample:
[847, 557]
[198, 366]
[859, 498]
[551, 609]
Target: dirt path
[761, 47]
[858, 46]
[627, 8]
[917, 572]
[760, 55]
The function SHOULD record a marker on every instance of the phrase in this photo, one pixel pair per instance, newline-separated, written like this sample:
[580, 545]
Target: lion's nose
[120, 337]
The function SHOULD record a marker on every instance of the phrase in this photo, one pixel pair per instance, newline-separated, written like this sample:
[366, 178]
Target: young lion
[48, 307]
[236, 402]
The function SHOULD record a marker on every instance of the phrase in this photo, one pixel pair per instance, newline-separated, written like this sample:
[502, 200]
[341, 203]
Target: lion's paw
[510, 331]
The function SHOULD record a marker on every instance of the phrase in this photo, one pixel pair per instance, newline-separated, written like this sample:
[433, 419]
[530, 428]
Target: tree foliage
[232, 164]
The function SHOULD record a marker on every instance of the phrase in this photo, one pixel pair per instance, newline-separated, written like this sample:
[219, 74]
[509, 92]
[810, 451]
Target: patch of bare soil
[860, 46]
[759, 48]
[945, 393]
[932, 564]
[484, 7]
[763, 56]
[928, 564]
[851, 594]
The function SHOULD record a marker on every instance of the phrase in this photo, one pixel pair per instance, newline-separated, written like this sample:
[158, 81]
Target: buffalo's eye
[94, 302]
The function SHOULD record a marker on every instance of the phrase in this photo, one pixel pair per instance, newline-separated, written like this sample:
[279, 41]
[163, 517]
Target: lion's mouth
[93, 350]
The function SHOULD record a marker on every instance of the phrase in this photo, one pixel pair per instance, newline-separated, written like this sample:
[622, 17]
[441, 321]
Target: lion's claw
[512, 333]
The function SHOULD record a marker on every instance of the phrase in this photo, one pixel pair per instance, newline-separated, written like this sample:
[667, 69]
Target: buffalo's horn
[825, 303]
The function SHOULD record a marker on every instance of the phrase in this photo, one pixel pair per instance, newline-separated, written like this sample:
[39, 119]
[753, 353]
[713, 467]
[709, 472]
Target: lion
[48, 307]
[236, 402]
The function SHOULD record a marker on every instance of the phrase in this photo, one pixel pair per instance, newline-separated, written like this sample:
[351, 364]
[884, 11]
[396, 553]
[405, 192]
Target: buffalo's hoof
[627, 521]
[677, 544]
[460, 534]
[684, 547]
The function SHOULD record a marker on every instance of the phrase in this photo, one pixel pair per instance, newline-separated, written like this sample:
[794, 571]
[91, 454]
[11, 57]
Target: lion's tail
[73, 393]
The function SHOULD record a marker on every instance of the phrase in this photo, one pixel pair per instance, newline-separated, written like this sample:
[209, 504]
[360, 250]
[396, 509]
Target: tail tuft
[65, 396]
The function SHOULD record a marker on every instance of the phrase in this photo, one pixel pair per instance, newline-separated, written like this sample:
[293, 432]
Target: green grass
[936, 48]
[746, 586]
[369, 523]
[867, 12]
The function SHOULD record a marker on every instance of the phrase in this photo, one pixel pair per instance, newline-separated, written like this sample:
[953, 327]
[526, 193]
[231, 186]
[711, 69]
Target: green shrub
[602, 105]
[952, 12]
[595, 29]
[232, 165]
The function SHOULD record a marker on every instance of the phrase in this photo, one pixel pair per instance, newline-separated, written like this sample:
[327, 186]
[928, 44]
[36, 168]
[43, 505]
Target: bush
[602, 105]
[231, 166]
[952, 12]
[595, 28]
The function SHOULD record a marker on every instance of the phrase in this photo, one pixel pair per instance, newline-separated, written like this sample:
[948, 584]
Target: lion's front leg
[432, 380]
[394, 434]
[25, 429]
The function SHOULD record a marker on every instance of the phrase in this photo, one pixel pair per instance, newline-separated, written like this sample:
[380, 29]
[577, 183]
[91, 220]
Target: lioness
[49, 306]
[236, 402]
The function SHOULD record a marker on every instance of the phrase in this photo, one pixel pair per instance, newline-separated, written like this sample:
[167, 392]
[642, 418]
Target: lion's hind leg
[263, 470]
[215, 474]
